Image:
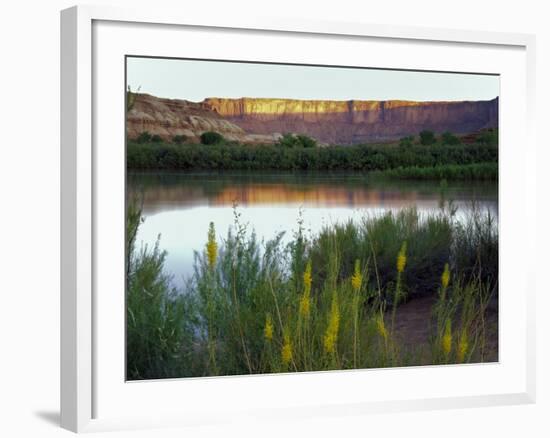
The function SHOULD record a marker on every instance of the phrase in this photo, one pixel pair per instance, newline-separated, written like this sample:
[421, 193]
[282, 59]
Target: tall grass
[429, 242]
[484, 171]
[323, 302]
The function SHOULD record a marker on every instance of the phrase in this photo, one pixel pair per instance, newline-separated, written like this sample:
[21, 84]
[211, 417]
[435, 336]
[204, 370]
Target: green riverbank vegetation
[434, 155]
[452, 172]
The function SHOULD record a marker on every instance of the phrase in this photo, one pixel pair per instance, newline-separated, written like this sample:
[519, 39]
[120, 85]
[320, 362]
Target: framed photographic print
[278, 217]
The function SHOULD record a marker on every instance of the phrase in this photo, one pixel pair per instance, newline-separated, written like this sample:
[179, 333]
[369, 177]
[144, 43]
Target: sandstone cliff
[170, 117]
[252, 120]
[354, 121]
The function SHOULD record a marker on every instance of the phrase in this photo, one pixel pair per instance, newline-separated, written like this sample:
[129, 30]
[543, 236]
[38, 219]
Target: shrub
[450, 139]
[289, 140]
[156, 139]
[306, 142]
[488, 137]
[179, 139]
[406, 141]
[159, 323]
[427, 137]
[211, 138]
[144, 137]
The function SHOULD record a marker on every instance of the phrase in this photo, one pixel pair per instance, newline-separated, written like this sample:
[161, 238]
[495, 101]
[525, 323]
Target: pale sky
[195, 80]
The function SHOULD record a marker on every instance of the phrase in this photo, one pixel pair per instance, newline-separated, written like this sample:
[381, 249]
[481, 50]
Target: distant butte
[263, 120]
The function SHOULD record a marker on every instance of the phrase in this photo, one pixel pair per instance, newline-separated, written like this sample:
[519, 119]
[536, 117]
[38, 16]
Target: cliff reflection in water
[164, 192]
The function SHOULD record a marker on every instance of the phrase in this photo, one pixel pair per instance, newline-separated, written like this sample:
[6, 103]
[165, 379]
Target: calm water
[179, 207]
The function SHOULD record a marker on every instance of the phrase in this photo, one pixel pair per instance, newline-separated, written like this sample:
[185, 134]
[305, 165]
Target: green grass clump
[463, 172]
[429, 245]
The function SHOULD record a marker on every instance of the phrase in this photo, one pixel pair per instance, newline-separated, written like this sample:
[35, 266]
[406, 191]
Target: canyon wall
[349, 122]
[252, 120]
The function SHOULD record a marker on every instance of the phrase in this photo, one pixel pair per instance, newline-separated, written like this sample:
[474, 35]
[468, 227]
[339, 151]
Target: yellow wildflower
[462, 347]
[357, 277]
[212, 246]
[307, 278]
[286, 351]
[402, 258]
[331, 335]
[304, 305]
[381, 327]
[446, 276]
[447, 339]
[305, 300]
[268, 330]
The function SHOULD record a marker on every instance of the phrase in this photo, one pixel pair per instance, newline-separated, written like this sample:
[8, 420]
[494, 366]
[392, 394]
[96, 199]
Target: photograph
[286, 218]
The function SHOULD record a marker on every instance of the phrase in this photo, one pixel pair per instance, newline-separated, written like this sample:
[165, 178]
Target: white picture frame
[87, 371]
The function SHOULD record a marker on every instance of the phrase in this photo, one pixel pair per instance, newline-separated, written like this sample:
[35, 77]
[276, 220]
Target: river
[179, 207]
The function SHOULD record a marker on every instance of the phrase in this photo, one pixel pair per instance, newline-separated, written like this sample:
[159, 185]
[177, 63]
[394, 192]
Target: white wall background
[29, 216]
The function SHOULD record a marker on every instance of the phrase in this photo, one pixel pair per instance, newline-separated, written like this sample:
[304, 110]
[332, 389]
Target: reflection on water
[180, 207]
